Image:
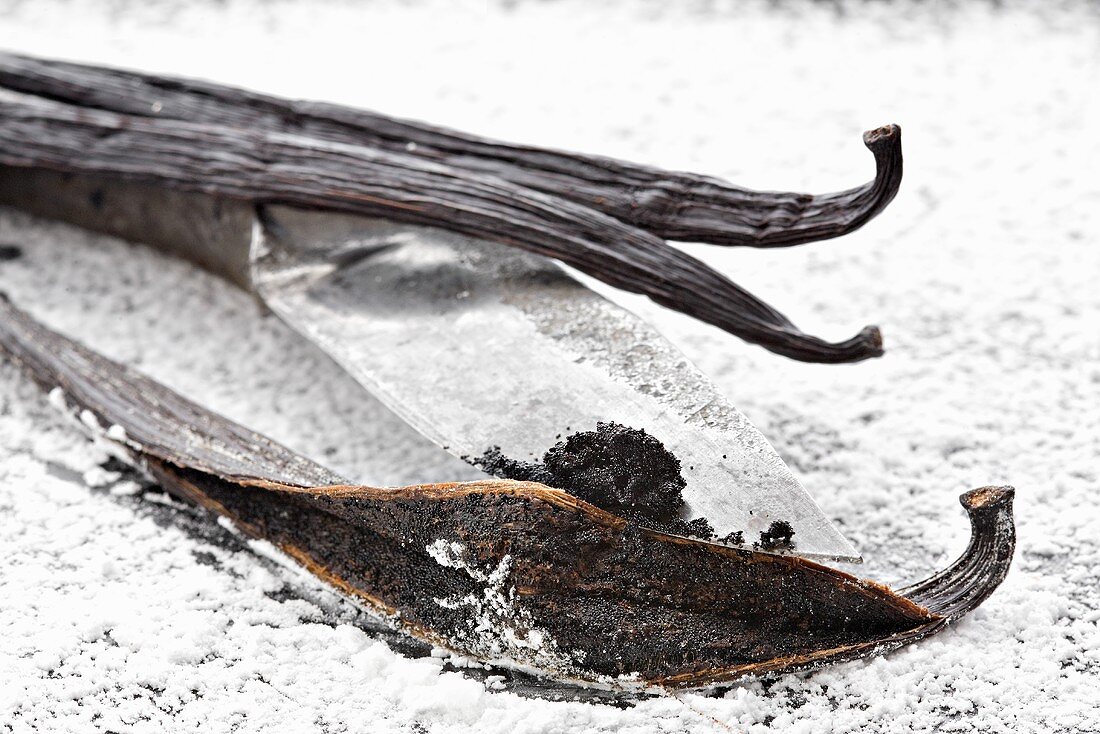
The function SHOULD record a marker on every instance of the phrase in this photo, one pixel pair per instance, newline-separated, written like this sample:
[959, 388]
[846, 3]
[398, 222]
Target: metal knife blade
[475, 344]
[478, 346]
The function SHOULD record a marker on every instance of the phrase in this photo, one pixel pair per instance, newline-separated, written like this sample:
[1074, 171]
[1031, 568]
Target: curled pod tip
[981, 568]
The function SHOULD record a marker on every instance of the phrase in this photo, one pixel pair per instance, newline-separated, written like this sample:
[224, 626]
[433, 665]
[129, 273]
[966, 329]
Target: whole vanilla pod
[670, 205]
[275, 167]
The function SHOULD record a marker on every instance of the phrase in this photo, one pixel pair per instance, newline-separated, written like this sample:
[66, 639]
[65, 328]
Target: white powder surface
[121, 612]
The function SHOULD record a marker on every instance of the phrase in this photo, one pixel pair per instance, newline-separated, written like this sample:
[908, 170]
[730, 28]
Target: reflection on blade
[478, 345]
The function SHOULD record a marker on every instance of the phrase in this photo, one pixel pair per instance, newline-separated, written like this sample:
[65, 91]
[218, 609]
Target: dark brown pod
[670, 205]
[243, 164]
[517, 573]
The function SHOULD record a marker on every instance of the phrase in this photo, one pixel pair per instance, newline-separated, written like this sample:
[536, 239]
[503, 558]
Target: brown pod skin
[518, 573]
[256, 166]
[670, 205]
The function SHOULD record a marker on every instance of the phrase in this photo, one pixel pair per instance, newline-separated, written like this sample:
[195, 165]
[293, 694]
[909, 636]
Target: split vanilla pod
[517, 573]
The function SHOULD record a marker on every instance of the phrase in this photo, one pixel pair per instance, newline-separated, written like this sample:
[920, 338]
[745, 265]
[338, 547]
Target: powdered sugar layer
[982, 275]
[499, 628]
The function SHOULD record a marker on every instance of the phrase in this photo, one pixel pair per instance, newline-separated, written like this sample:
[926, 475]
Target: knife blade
[477, 345]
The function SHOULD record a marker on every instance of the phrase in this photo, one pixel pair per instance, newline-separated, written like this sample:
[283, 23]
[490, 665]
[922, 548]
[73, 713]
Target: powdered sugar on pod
[499, 629]
[90, 421]
[56, 397]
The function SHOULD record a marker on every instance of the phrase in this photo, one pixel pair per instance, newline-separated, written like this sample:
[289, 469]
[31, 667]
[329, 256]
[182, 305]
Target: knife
[479, 346]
